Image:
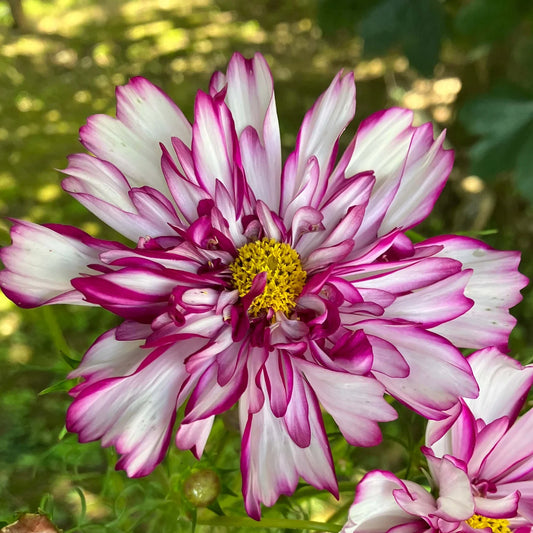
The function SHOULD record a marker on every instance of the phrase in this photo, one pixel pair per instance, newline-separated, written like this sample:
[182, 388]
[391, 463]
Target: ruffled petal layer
[271, 462]
[134, 413]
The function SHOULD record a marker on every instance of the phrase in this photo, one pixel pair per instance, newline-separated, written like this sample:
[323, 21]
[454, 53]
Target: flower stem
[54, 329]
[241, 521]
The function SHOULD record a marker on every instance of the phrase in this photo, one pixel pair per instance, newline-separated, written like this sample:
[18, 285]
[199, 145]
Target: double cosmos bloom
[283, 289]
[481, 466]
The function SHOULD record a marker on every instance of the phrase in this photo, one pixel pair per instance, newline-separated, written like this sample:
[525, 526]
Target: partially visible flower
[280, 289]
[482, 467]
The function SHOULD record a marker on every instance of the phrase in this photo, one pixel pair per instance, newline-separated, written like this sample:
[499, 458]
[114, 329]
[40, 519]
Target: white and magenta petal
[250, 98]
[318, 138]
[503, 385]
[272, 463]
[110, 358]
[145, 117]
[375, 508]
[438, 373]
[356, 403]
[494, 287]
[409, 166]
[42, 261]
[134, 413]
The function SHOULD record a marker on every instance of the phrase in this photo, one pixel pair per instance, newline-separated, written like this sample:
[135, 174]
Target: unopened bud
[202, 488]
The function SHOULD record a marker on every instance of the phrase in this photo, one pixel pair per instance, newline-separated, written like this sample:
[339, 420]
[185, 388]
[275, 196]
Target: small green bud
[202, 488]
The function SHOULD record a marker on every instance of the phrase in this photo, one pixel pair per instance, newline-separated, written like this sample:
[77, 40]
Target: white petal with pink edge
[433, 304]
[375, 509]
[42, 261]
[410, 169]
[356, 403]
[318, 138]
[512, 457]
[145, 117]
[459, 440]
[438, 373]
[250, 98]
[213, 144]
[193, 436]
[102, 189]
[455, 501]
[110, 358]
[272, 463]
[503, 385]
[494, 287]
[134, 413]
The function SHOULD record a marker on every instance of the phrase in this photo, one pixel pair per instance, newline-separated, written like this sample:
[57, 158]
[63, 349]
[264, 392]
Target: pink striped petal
[272, 463]
[434, 304]
[503, 385]
[503, 507]
[250, 98]
[213, 145]
[375, 509]
[110, 358]
[318, 138]
[455, 501]
[410, 169]
[193, 436]
[514, 447]
[134, 413]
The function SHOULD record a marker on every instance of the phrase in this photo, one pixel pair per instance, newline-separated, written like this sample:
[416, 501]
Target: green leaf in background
[487, 20]
[336, 14]
[505, 129]
[414, 25]
[63, 385]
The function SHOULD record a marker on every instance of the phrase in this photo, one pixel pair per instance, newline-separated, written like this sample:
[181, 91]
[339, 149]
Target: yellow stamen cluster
[285, 276]
[498, 525]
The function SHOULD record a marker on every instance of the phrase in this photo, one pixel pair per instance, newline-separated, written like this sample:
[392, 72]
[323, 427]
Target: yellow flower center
[285, 275]
[498, 525]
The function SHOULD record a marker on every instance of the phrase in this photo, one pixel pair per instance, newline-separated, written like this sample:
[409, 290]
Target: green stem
[241, 521]
[305, 491]
[58, 339]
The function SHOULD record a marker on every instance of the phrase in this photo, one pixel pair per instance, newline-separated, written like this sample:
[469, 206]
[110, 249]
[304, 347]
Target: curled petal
[356, 403]
[376, 510]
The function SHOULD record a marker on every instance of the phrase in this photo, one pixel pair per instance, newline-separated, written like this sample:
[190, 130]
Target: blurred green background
[466, 65]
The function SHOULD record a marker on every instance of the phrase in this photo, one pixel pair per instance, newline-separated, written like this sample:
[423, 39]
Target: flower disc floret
[498, 525]
[285, 275]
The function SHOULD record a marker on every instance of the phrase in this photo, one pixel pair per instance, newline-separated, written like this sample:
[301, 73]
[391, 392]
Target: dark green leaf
[215, 507]
[414, 25]
[496, 117]
[336, 14]
[524, 166]
[501, 124]
[487, 20]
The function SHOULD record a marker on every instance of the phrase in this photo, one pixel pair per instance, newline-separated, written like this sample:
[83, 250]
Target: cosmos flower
[481, 466]
[282, 289]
